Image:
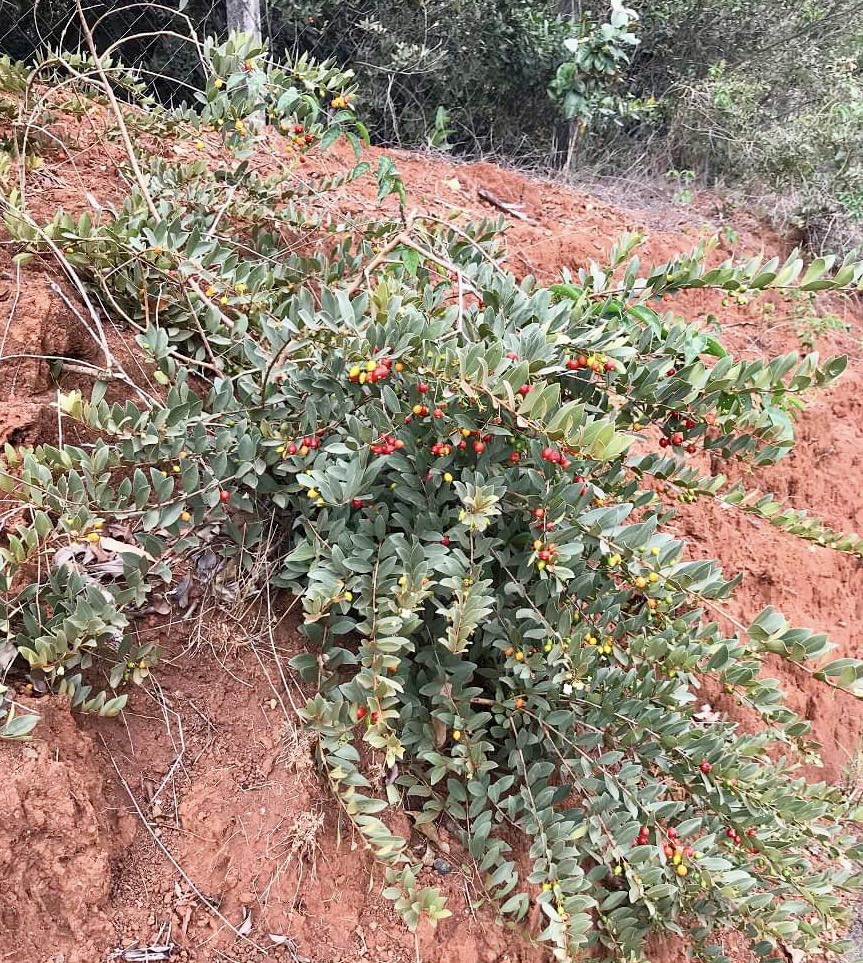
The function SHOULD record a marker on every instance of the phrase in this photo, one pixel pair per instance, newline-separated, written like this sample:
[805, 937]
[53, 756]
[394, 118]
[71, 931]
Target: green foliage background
[766, 97]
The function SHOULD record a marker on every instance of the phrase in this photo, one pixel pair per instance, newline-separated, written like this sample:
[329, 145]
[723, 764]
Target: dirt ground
[198, 815]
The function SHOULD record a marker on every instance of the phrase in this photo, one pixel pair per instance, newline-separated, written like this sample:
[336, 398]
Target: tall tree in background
[244, 16]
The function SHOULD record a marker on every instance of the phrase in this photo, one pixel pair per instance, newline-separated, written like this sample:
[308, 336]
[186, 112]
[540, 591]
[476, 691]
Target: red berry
[512, 356]
[356, 503]
[610, 366]
[422, 388]
[381, 371]
[225, 496]
[690, 449]
[514, 457]
[664, 442]
[525, 390]
[752, 831]
[437, 413]
[689, 424]
[539, 513]
[408, 419]
[671, 372]
[677, 438]
[705, 767]
[564, 462]
[669, 850]
[573, 365]
[479, 447]
[374, 717]
[291, 449]
[398, 444]
[672, 833]
[730, 833]
[445, 541]
[548, 454]
[361, 713]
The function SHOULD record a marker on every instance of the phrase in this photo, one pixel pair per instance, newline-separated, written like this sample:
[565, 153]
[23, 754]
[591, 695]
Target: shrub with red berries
[462, 493]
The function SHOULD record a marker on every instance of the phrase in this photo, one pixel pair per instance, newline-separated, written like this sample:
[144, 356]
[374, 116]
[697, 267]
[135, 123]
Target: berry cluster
[387, 444]
[298, 134]
[594, 362]
[675, 433]
[372, 371]
[555, 457]
[303, 447]
[546, 554]
[441, 448]
[735, 837]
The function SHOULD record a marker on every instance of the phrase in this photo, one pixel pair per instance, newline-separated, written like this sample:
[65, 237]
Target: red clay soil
[211, 765]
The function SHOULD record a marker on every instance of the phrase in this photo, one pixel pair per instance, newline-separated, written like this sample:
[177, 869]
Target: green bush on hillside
[454, 470]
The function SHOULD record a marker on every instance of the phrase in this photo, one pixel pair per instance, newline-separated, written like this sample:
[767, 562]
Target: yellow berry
[456, 734]
[540, 565]
[93, 537]
[371, 365]
[653, 577]
[654, 551]
[447, 477]
[348, 596]
[199, 144]
[519, 656]
[640, 582]
[682, 870]
[185, 517]
[355, 371]
[313, 493]
[403, 580]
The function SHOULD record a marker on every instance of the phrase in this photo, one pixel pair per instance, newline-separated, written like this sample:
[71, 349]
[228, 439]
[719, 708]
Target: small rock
[442, 866]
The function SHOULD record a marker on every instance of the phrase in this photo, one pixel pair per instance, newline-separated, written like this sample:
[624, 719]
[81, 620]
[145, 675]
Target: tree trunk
[244, 16]
[565, 136]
